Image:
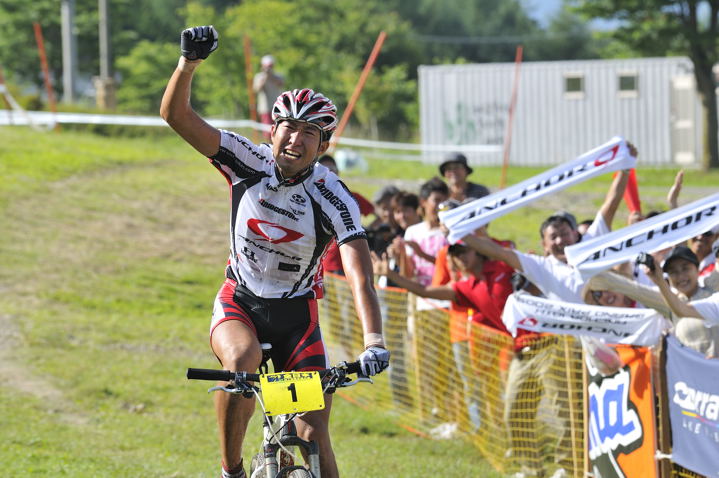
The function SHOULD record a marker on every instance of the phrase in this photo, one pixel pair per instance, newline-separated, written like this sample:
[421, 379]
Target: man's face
[702, 245]
[383, 209]
[608, 298]
[295, 145]
[467, 260]
[406, 216]
[557, 236]
[430, 206]
[455, 173]
[683, 276]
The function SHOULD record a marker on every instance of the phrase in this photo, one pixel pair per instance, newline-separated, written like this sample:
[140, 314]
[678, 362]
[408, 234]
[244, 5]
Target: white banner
[654, 234]
[463, 220]
[613, 325]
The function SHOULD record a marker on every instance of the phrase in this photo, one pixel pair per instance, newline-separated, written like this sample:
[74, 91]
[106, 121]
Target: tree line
[324, 44]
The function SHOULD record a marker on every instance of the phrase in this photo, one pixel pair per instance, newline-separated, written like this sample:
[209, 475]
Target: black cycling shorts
[291, 326]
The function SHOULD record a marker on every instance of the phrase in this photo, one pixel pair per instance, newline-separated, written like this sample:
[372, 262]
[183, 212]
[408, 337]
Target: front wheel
[258, 461]
[300, 474]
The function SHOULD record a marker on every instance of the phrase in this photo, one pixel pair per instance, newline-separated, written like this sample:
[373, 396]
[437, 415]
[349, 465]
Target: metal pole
[104, 32]
[512, 104]
[45, 69]
[358, 89]
[104, 84]
[69, 50]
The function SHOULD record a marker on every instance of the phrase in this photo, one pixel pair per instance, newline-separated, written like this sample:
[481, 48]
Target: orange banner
[622, 432]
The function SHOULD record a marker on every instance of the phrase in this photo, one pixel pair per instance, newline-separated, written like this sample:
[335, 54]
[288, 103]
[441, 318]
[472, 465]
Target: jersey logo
[529, 322]
[298, 199]
[273, 233]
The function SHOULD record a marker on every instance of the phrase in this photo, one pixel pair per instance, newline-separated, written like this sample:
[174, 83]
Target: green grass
[112, 251]
[110, 255]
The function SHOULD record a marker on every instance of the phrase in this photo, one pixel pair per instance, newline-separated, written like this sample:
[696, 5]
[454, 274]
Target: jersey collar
[296, 179]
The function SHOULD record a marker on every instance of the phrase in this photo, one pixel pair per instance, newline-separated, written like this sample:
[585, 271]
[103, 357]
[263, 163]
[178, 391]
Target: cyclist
[285, 210]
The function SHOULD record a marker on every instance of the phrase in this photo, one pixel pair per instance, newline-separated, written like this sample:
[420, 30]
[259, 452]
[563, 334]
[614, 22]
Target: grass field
[111, 253]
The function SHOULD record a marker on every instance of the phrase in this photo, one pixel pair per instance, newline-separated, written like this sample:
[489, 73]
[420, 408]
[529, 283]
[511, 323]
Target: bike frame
[284, 434]
[286, 437]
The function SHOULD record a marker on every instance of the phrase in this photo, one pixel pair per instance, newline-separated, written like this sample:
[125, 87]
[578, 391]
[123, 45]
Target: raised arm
[673, 194]
[443, 292]
[614, 197]
[197, 43]
[616, 282]
[679, 307]
[487, 247]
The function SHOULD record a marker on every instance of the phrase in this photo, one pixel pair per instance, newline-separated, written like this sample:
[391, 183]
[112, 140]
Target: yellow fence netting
[524, 411]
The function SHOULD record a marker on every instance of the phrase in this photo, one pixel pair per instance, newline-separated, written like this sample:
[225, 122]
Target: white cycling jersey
[279, 229]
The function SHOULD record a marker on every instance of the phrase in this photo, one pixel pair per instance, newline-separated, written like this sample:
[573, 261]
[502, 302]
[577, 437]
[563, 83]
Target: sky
[542, 10]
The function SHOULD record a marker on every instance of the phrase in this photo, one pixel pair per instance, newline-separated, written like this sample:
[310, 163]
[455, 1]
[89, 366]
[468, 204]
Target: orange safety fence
[525, 411]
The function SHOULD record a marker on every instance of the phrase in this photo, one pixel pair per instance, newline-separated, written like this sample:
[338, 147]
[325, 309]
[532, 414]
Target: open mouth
[291, 154]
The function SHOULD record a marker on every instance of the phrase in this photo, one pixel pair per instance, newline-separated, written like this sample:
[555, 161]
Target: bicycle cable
[269, 426]
[269, 423]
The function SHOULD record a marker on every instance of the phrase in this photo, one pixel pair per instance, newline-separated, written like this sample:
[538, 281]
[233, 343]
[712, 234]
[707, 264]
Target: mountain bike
[283, 396]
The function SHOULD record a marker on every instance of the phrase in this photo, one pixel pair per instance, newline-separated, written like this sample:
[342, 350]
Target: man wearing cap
[695, 308]
[267, 85]
[559, 281]
[701, 245]
[682, 268]
[454, 169]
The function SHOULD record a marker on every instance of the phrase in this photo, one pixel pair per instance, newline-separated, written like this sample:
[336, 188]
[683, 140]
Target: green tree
[321, 44]
[131, 21]
[662, 27]
[145, 71]
[452, 31]
[568, 37]
[18, 50]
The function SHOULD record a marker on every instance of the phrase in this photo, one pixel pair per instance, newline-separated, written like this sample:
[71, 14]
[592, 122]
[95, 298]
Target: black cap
[454, 158]
[680, 252]
[384, 194]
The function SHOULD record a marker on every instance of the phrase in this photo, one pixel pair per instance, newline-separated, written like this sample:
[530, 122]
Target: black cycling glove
[198, 42]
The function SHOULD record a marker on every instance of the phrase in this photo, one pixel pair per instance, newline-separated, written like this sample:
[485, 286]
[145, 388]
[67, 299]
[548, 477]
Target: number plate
[292, 392]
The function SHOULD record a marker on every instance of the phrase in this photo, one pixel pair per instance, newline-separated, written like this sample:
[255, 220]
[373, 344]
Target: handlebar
[220, 375]
[227, 376]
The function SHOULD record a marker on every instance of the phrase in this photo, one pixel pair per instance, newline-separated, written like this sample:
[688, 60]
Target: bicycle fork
[287, 437]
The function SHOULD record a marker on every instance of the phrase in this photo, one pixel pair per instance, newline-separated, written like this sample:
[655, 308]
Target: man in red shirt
[484, 288]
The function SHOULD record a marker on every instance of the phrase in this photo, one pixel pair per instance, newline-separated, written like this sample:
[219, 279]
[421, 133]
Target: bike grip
[208, 374]
[354, 367]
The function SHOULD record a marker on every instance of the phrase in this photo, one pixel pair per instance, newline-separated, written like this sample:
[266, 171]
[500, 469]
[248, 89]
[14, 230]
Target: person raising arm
[285, 210]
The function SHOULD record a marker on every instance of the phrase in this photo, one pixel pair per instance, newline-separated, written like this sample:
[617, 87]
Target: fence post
[664, 431]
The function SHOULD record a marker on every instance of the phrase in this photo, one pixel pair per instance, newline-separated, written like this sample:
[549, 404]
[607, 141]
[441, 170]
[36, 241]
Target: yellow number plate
[292, 392]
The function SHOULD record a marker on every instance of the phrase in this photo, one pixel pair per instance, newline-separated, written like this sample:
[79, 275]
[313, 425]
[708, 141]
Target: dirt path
[15, 375]
[59, 234]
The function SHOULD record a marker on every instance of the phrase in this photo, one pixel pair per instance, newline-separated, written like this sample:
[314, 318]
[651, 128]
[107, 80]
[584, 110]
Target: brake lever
[360, 378]
[245, 390]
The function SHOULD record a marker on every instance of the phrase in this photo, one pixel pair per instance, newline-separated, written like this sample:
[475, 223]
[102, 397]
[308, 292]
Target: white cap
[267, 60]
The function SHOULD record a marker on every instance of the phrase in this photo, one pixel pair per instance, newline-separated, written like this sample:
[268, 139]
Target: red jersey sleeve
[442, 274]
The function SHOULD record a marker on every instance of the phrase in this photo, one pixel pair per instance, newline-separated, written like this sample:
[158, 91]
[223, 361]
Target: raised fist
[198, 42]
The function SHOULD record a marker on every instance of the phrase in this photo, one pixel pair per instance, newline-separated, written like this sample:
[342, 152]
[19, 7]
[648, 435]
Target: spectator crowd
[473, 278]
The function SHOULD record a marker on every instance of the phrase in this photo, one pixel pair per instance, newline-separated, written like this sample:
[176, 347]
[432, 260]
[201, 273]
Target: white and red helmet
[306, 105]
